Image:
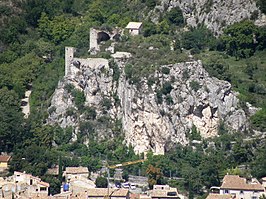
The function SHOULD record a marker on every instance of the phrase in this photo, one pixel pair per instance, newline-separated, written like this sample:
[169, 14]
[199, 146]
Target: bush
[90, 113]
[79, 98]
[175, 16]
[169, 99]
[167, 88]
[149, 28]
[185, 75]
[128, 71]
[194, 85]
[262, 5]
[218, 68]
[199, 38]
[116, 70]
[101, 182]
[107, 103]
[165, 70]
[258, 120]
[159, 96]
[69, 88]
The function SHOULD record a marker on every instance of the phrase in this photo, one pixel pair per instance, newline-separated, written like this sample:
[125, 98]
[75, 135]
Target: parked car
[132, 186]
[126, 185]
[118, 184]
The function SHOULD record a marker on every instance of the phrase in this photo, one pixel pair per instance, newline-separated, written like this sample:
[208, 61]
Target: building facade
[241, 188]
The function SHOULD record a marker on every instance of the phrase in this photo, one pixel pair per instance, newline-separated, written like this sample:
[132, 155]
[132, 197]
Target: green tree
[149, 28]
[101, 182]
[197, 38]
[35, 8]
[175, 16]
[262, 5]
[11, 120]
[240, 39]
[154, 174]
[58, 29]
[258, 120]
[163, 27]
[258, 168]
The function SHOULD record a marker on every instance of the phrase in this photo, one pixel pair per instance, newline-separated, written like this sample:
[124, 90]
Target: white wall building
[240, 188]
[134, 28]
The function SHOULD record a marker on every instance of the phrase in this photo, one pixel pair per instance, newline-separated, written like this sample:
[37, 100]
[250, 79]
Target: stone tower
[94, 47]
[69, 55]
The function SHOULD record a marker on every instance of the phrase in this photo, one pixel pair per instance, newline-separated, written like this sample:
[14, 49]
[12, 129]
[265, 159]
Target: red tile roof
[218, 196]
[4, 158]
[99, 192]
[46, 184]
[235, 182]
[76, 170]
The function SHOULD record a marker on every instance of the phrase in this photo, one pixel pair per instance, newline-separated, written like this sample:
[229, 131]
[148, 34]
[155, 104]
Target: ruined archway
[102, 36]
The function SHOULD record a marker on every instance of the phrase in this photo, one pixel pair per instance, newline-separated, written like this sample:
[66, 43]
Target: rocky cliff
[155, 115]
[215, 14]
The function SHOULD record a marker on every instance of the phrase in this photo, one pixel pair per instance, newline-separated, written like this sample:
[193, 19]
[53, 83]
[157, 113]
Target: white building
[134, 28]
[23, 185]
[241, 188]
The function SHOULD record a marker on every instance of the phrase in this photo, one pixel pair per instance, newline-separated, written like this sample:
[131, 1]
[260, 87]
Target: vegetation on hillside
[33, 36]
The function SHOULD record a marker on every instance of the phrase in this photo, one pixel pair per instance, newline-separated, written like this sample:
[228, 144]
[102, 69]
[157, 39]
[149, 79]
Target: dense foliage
[33, 36]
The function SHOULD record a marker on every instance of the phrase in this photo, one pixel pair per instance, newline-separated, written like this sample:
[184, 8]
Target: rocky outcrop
[154, 115]
[215, 14]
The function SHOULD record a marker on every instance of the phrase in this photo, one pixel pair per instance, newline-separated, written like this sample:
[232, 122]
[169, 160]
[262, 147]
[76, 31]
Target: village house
[76, 173]
[23, 185]
[263, 181]
[4, 159]
[77, 180]
[101, 193]
[95, 193]
[234, 186]
[134, 28]
[165, 192]
[35, 186]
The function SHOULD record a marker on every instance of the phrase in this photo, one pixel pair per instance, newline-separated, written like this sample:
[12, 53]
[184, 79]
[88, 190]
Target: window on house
[241, 192]
[226, 191]
[42, 188]
[254, 197]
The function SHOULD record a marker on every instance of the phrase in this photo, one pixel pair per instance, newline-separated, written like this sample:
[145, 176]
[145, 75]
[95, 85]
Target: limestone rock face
[215, 14]
[154, 116]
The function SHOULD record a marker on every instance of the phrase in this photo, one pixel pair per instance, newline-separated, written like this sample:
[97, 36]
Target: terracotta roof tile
[218, 196]
[76, 170]
[44, 183]
[164, 193]
[237, 183]
[4, 158]
[104, 192]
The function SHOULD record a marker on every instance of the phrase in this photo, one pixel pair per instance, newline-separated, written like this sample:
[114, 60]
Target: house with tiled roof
[165, 192]
[101, 193]
[4, 160]
[71, 173]
[241, 188]
[218, 196]
[23, 185]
